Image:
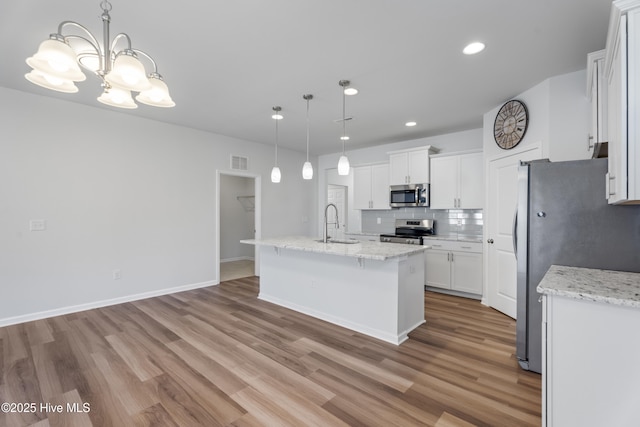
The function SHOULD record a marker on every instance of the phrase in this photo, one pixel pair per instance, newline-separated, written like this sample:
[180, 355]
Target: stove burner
[410, 231]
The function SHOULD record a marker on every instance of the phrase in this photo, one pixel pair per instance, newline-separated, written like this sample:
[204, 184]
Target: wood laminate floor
[231, 270]
[218, 356]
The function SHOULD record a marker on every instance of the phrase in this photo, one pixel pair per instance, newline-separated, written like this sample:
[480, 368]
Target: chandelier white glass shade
[57, 63]
[275, 172]
[307, 168]
[343, 162]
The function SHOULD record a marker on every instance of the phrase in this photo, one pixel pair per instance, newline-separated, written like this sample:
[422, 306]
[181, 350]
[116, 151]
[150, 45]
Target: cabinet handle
[448, 257]
[589, 144]
[451, 257]
[609, 186]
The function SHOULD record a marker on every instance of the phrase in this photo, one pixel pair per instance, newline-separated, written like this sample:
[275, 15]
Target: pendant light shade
[158, 95]
[307, 168]
[117, 97]
[51, 82]
[56, 60]
[343, 165]
[276, 176]
[128, 73]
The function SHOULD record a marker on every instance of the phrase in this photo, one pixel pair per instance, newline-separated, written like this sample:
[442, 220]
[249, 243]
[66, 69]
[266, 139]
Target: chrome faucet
[325, 235]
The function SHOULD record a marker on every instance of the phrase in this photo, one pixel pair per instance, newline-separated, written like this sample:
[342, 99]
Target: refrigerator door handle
[514, 235]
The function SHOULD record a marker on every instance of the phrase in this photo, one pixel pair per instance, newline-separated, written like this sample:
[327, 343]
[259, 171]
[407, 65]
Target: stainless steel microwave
[409, 195]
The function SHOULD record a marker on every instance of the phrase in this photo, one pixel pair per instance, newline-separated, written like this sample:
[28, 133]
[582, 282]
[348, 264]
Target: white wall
[559, 118]
[237, 220]
[118, 192]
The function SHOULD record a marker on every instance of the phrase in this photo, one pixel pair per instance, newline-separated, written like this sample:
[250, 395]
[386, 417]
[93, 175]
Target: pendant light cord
[307, 129]
[344, 120]
[277, 140]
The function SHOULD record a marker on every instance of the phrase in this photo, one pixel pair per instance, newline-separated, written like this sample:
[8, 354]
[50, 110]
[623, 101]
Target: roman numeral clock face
[510, 124]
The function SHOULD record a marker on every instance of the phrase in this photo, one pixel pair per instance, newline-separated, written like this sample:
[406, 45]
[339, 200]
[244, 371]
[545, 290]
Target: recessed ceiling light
[473, 48]
[350, 91]
[410, 124]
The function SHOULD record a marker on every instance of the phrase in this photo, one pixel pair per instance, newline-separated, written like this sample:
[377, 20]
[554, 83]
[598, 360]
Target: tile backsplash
[464, 223]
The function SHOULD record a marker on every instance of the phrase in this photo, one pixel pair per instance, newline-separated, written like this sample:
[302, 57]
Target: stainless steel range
[410, 231]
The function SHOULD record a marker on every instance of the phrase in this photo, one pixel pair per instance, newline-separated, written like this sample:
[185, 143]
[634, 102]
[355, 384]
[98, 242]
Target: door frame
[487, 211]
[257, 185]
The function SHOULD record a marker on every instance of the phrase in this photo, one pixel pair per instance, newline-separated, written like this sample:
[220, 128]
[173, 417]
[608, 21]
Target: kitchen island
[370, 287]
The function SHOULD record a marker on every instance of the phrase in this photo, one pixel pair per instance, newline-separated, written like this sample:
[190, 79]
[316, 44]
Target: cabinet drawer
[453, 245]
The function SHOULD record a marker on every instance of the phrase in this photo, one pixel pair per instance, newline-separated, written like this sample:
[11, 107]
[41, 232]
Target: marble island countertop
[365, 249]
[611, 287]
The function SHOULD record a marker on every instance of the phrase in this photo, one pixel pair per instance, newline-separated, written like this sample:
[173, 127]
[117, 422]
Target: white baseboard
[240, 258]
[104, 303]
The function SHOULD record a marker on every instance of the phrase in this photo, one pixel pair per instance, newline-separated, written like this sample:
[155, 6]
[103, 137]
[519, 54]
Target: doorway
[237, 218]
[337, 194]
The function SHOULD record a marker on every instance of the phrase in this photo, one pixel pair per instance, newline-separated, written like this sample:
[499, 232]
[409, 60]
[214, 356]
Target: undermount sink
[342, 241]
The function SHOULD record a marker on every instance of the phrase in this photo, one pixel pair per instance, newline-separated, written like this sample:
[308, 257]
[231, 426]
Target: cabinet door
[380, 186]
[466, 272]
[418, 165]
[398, 173]
[444, 182]
[437, 271]
[471, 184]
[362, 187]
[617, 108]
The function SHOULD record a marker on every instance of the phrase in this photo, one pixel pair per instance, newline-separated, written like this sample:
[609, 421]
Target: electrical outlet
[379, 220]
[117, 274]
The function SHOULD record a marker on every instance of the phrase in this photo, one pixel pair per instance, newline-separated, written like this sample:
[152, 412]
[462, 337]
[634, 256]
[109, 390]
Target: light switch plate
[37, 225]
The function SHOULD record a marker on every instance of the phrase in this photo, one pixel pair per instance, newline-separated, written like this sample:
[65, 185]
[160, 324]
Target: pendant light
[343, 162]
[275, 172]
[307, 169]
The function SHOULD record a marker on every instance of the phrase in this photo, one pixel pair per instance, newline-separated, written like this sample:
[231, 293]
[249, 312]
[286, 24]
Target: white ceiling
[228, 63]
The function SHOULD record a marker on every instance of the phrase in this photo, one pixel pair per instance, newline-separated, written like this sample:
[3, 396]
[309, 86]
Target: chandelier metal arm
[146, 55]
[91, 40]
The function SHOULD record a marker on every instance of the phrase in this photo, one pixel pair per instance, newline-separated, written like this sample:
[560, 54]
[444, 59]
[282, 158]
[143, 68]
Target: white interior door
[501, 264]
[337, 194]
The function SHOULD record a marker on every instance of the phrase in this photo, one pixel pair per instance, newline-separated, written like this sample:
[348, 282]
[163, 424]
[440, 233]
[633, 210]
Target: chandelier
[57, 63]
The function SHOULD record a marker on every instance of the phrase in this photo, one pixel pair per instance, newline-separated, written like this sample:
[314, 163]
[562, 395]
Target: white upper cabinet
[410, 166]
[597, 95]
[371, 187]
[457, 182]
[622, 71]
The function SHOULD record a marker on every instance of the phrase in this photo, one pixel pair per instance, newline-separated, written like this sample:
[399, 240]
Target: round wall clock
[510, 124]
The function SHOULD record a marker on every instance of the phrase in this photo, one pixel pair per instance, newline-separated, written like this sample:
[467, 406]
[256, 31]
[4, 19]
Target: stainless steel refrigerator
[563, 218]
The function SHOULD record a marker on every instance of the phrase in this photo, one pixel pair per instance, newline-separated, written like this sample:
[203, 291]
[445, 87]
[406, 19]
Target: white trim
[104, 303]
[239, 258]
[257, 215]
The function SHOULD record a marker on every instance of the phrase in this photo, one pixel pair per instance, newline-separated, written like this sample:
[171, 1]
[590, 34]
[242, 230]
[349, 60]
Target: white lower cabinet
[454, 265]
[590, 374]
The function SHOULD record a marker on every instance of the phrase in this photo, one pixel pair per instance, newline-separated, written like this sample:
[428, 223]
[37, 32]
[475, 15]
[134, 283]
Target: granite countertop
[367, 250]
[611, 287]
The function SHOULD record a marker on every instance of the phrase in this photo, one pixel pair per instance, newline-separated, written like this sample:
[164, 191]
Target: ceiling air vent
[239, 163]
